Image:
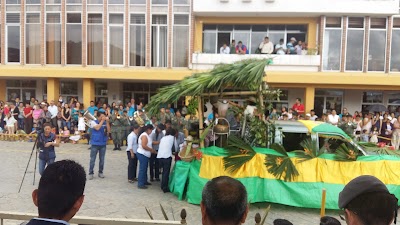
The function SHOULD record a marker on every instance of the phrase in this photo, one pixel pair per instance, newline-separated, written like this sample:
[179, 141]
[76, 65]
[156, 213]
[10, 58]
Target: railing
[205, 61]
[94, 220]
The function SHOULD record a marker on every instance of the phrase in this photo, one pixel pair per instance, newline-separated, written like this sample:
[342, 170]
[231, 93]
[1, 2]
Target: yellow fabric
[314, 170]
[310, 124]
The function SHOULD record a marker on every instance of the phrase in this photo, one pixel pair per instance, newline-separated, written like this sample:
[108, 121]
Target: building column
[198, 36]
[148, 34]
[3, 90]
[105, 33]
[22, 39]
[3, 32]
[84, 34]
[43, 37]
[366, 43]
[170, 35]
[88, 91]
[63, 30]
[320, 44]
[53, 89]
[126, 38]
[344, 44]
[389, 43]
[309, 96]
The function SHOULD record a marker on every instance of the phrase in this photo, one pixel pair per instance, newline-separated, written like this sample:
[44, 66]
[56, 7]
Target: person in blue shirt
[290, 46]
[46, 142]
[92, 107]
[131, 110]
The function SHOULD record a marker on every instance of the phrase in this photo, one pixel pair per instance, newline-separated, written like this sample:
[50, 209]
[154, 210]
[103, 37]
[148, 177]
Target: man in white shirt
[131, 150]
[333, 118]
[53, 109]
[224, 49]
[266, 46]
[164, 156]
[280, 48]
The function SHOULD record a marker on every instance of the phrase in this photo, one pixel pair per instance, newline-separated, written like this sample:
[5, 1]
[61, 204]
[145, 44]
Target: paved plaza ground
[114, 197]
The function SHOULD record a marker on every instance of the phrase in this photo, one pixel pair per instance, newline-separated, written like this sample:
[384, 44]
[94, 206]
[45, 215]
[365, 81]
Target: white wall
[114, 90]
[352, 100]
[290, 8]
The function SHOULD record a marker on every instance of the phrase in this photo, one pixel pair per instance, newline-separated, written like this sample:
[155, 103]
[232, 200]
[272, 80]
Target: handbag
[258, 51]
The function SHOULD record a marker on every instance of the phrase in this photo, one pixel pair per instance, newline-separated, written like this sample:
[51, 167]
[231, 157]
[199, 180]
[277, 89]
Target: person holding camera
[100, 129]
[46, 143]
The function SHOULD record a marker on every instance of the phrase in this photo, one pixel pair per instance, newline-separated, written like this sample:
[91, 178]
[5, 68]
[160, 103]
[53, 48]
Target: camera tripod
[26, 169]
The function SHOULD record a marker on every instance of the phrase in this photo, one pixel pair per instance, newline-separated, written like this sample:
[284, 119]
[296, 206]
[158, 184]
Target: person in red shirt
[298, 107]
[28, 119]
[241, 49]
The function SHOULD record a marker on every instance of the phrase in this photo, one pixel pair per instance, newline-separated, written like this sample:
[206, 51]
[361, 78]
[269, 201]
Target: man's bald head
[224, 200]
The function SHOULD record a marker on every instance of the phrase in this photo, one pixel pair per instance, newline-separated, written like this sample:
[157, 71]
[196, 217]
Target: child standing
[374, 136]
[365, 136]
[81, 123]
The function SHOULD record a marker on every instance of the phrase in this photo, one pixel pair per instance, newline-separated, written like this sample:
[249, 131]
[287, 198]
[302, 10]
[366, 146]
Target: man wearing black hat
[367, 201]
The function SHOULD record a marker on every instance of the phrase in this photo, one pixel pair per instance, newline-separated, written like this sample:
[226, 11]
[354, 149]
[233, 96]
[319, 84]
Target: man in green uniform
[178, 122]
[116, 130]
[127, 127]
[168, 114]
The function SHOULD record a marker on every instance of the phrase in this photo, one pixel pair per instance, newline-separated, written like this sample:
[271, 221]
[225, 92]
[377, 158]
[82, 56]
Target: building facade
[110, 50]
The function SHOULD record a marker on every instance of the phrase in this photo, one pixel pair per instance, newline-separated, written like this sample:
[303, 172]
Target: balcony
[286, 8]
[310, 63]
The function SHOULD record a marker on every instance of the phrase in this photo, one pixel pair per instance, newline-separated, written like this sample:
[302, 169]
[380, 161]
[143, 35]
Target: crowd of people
[364, 200]
[293, 47]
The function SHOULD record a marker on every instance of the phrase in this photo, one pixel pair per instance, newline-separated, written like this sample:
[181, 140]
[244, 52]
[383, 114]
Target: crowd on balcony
[294, 47]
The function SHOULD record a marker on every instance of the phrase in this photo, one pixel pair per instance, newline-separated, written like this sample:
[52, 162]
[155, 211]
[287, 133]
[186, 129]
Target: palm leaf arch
[246, 74]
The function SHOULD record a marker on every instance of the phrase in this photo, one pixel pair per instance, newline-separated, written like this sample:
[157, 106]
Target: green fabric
[178, 178]
[326, 127]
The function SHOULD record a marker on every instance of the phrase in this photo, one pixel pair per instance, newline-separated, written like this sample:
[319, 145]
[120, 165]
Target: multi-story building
[112, 50]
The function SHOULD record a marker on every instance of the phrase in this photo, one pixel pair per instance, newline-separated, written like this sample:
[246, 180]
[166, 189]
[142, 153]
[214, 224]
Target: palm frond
[163, 212]
[246, 74]
[310, 150]
[343, 153]
[238, 153]
[386, 151]
[281, 166]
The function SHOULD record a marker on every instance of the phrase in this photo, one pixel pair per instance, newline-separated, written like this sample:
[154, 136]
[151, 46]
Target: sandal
[131, 181]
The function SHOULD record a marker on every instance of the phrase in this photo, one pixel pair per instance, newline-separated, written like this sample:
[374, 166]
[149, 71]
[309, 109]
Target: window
[181, 41]
[395, 47]
[159, 37]
[22, 89]
[393, 101]
[69, 89]
[95, 39]
[74, 38]
[53, 38]
[355, 44]
[159, 2]
[377, 45]
[214, 36]
[137, 42]
[283, 101]
[116, 39]
[13, 37]
[101, 92]
[138, 2]
[181, 2]
[32, 38]
[371, 98]
[332, 48]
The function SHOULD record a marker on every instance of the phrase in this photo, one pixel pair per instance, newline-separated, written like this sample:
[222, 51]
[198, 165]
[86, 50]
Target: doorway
[327, 100]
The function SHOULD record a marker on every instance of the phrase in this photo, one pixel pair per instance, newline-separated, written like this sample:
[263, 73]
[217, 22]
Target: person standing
[53, 109]
[21, 116]
[116, 129]
[66, 116]
[178, 121]
[232, 48]
[15, 113]
[298, 106]
[224, 49]
[241, 49]
[92, 107]
[156, 137]
[164, 156]
[266, 46]
[396, 134]
[47, 141]
[144, 151]
[280, 48]
[131, 151]
[333, 118]
[99, 129]
[28, 121]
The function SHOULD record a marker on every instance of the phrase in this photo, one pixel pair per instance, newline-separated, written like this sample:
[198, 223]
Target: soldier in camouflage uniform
[178, 122]
[117, 129]
[168, 114]
[162, 116]
[127, 125]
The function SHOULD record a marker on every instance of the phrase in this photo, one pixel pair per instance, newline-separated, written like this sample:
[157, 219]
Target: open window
[291, 141]
[331, 142]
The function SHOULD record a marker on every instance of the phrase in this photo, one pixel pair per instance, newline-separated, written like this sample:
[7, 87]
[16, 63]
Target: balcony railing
[204, 61]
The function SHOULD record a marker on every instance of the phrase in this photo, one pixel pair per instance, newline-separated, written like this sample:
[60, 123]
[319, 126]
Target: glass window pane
[163, 2]
[53, 44]
[159, 46]
[73, 18]
[332, 49]
[69, 88]
[100, 88]
[395, 52]
[372, 97]
[244, 37]
[13, 44]
[95, 44]
[116, 19]
[262, 28]
[181, 46]
[28, 83]
[116, 2]
[242, 27]
[159, 19]
[74, 1]
[273, 37]
[95, 18]
[256, 39]
[181, 19]
[95, 2]
[181, 2]
[138, 2]
[276, 27]
[32, 38]
[13, 2]
[116, 47]
[13, 83]
[377, 47]
[74, 44]
[354, 52]
[210, 27]
[138, 19]
[137, 45]
[210, 42]
[53, 1]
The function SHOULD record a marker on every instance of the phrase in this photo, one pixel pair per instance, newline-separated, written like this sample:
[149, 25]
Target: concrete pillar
[53, 89]
[309, 96]
[3, 91]
[88, 92]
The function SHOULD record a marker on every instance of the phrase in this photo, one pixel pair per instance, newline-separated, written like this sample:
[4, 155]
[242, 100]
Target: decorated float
[281, 162]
